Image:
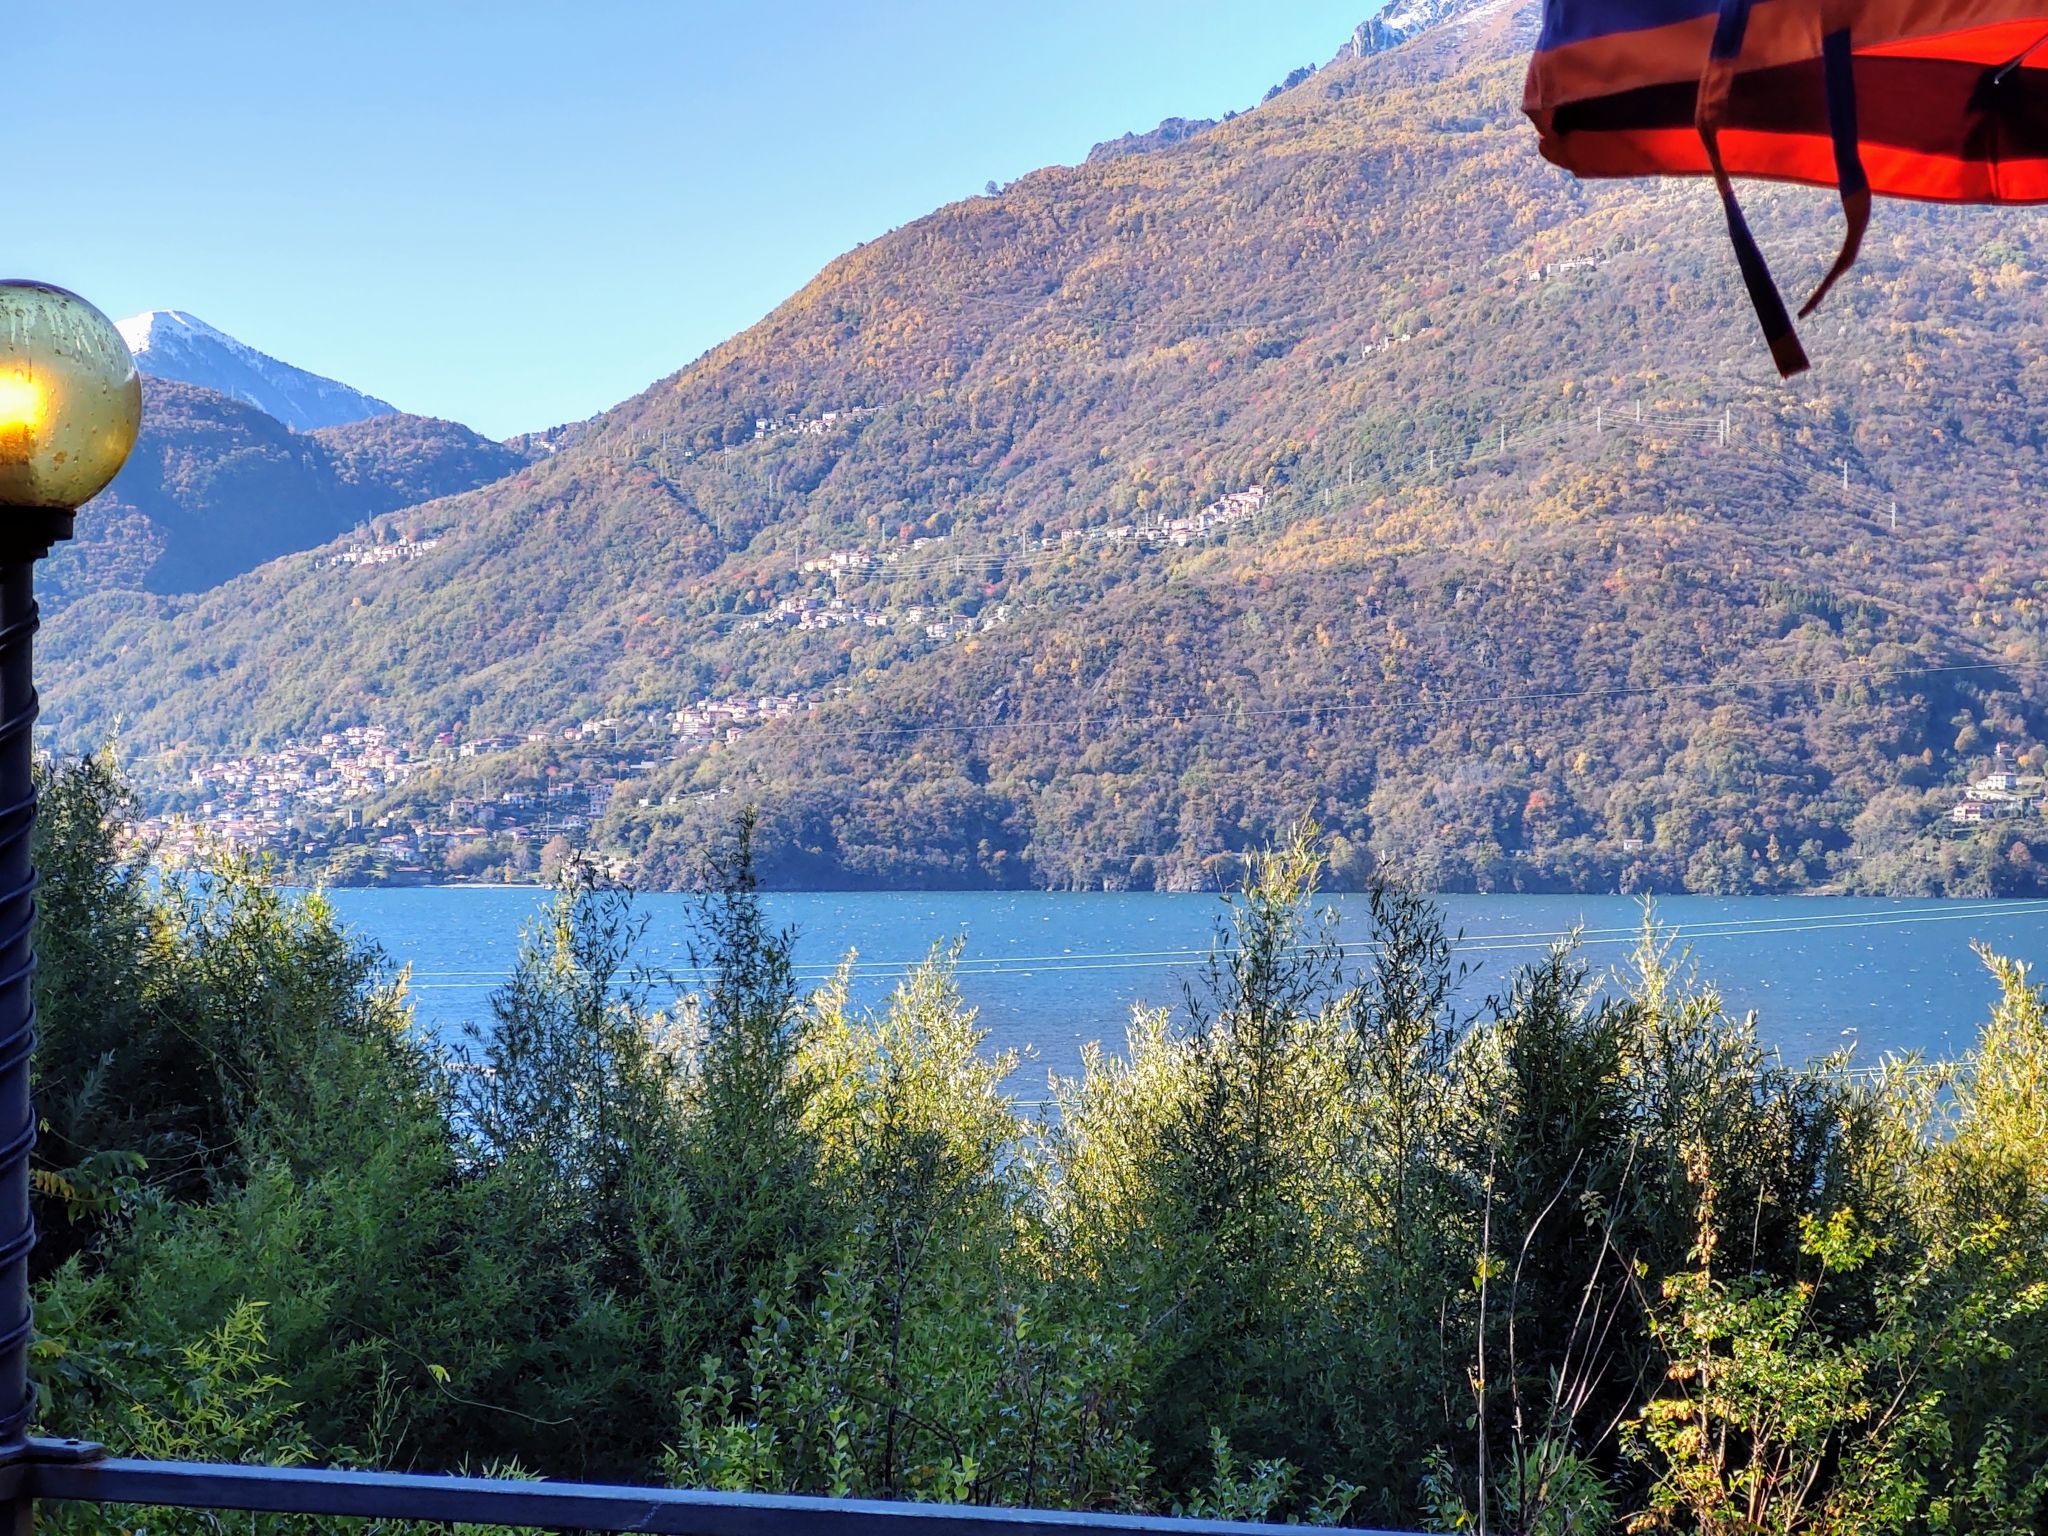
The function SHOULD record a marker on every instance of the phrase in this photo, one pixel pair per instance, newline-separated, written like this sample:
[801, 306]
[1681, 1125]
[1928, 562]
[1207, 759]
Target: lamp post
[70, 406]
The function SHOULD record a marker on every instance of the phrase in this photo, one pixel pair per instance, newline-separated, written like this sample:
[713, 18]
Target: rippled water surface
[1050, 971]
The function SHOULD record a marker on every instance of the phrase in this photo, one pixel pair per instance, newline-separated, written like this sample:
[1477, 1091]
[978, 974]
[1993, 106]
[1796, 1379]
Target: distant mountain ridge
[171, 344]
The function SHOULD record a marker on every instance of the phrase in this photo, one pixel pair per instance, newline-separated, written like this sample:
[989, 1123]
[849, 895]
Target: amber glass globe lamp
[70, 401]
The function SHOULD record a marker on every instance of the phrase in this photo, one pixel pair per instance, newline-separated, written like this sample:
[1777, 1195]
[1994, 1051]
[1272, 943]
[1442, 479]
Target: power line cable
[1115, 960]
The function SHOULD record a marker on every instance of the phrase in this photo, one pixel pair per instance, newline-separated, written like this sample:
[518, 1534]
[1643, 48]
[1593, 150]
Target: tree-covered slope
[216, 487]
[1552, 581]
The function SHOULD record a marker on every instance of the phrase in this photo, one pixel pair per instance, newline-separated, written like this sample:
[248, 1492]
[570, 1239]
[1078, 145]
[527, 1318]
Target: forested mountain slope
[1550, 582]
[216, 487]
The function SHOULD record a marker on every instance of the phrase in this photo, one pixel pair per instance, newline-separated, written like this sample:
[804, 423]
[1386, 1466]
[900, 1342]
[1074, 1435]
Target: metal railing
[73, 1470]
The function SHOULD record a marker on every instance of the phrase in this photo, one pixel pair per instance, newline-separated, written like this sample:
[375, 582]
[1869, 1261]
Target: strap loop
[1838, 65]
[1717, 83]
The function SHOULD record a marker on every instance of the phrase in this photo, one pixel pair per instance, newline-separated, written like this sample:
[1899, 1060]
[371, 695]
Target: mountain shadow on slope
[216, 487]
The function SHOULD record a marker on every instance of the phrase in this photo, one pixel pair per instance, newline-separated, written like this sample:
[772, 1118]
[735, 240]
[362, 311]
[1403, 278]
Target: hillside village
[392, 553]
[361, 804]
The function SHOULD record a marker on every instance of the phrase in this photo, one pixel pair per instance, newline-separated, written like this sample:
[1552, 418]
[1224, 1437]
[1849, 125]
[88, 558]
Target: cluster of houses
[1998, 796]
[821, 610]
[856, 562]
[305, 800]
[2001, 793]
[1219, 515]
[828, 610]
[957, 626]
[667, 452]
[729, 718]
[809, 426]
[384, 554]
[1563, 268]
[1226, 512]
[352, 764]
[675, 445]
[282, 803]
[261, 799]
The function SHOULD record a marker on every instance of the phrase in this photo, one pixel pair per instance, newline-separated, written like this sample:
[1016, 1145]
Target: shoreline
[1834, 893]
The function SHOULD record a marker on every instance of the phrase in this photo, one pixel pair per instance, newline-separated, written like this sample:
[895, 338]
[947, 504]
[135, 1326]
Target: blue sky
[517, 214]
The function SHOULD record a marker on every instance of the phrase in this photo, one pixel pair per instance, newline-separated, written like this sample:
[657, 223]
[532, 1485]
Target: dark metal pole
[26, 538]
[72, 410]
[17, 981]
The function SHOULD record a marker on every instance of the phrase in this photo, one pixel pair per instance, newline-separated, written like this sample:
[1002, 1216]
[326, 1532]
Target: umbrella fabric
[1944, 100]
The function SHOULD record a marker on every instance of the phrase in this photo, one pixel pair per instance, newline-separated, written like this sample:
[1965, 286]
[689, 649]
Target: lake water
[1051, 971]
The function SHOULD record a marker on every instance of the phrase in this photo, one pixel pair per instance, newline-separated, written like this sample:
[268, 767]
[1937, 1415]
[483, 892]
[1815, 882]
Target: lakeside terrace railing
[70, 1470]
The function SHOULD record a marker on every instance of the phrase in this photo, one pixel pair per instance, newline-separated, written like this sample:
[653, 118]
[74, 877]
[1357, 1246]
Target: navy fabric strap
[1731, 25]
[1716, 82]
[1838, 65]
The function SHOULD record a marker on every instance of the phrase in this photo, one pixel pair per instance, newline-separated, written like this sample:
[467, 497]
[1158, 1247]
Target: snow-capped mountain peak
[1399, 20]
[140, 331]
[171, 344]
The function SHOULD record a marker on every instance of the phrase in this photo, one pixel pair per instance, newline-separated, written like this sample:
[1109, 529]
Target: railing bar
[579, 1506]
